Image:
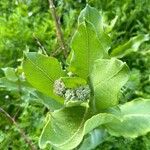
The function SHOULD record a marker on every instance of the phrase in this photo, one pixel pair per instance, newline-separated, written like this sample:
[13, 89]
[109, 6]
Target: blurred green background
[24, 23]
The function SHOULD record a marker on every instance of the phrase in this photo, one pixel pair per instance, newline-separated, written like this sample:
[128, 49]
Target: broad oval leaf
[107, 78]
[134, 119]
[86, 48]
[66, 128]
[41, 72]
[118, 122]
[89, 43]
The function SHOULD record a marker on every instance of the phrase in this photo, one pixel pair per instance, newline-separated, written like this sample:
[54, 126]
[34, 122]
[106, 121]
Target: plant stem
[40, 45]
[22, 133]
[59, 33]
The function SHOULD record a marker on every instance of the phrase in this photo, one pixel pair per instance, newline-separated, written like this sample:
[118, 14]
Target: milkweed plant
[85, 93]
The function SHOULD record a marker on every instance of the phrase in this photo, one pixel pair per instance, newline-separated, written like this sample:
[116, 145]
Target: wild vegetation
[75, 75]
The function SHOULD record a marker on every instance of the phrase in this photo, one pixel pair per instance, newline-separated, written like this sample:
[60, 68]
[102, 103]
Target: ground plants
[84, 92]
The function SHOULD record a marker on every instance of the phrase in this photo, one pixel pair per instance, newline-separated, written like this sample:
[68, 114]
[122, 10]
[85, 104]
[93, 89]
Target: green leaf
[41, 72]
[63, 129]
[77, 102]
[94, 138]
[10, 74]
[107, 78]
[73, 82]
[50, 103]
[97, 120]
[66, 128]
[9, 85]
[89, 42]
[130, 46]
[134, 119]
[87, 48]
[91, 15]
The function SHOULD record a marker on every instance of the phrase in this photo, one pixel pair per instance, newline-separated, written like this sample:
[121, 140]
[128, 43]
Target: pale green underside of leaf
[107, 77]
[134, 119]
[41, 72]
[130, 46]
[93, 139]
[63, 129]
[66, 128]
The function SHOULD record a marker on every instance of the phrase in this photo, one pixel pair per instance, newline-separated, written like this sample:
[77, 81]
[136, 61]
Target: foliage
[25, 23]
[67, 126]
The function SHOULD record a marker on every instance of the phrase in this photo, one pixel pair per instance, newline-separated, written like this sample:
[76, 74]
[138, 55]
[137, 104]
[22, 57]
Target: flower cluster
[81, 93]
[59, 87]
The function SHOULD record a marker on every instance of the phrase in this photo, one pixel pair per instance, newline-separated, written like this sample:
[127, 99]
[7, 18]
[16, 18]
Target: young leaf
[86, 48]
[41, 72]
[92, 15]
[107, 78]
[73, 82]
[130, 46]
[134, 119]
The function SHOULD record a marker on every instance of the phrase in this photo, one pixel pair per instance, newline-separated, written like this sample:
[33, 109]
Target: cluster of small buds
[70, 94]
[81, 93]
[59, 87]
